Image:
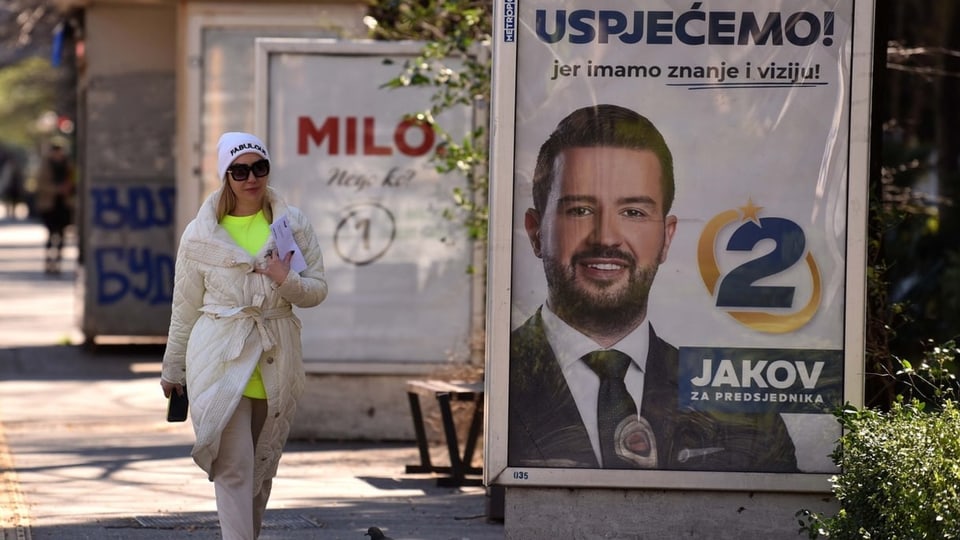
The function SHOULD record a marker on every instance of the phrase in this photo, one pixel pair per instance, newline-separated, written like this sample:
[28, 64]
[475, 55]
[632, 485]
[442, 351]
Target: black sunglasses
[241, 171]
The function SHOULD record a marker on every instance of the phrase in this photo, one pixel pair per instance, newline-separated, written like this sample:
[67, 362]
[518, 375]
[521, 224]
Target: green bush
[901, 475]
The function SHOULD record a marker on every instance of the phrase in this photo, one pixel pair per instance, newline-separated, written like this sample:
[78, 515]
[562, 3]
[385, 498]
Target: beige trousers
[239, 509]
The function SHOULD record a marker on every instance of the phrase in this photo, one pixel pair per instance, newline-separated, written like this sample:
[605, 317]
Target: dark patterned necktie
[613, 401]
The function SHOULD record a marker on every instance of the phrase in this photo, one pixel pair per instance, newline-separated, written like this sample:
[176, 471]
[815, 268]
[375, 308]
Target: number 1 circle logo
[364, 233]
[765, 308]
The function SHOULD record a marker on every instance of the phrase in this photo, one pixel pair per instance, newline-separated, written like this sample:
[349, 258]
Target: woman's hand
[169, 387]
[274, 267]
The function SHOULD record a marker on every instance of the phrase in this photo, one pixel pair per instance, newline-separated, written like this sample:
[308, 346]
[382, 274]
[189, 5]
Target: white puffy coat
[226, 319]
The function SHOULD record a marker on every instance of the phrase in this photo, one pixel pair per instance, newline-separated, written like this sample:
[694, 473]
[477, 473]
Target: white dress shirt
[569, 345]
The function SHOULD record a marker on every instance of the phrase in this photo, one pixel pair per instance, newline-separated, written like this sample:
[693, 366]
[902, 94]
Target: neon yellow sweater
[250, 233]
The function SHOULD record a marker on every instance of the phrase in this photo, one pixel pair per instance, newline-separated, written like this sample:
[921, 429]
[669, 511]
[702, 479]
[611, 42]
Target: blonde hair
[228, 201]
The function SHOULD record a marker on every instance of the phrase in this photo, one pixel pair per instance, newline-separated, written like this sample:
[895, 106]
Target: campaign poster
[677, 234]
[346, 151]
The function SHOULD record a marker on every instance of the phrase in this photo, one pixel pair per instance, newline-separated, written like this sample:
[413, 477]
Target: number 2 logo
[738, 288]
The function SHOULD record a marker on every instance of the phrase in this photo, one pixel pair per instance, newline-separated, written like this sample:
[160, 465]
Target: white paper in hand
[283, 236]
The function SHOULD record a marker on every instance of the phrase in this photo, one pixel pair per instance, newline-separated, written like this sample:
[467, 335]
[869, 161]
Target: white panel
[343, 151]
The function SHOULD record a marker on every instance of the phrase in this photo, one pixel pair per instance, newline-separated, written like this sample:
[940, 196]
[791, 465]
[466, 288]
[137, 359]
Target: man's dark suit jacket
[545, 428]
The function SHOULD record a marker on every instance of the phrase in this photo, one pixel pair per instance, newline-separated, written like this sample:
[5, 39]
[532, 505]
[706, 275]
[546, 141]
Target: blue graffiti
[133, 207]
[137, 271]
[135, 266]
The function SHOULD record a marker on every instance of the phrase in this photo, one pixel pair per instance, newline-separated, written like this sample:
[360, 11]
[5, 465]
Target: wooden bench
[446, 392]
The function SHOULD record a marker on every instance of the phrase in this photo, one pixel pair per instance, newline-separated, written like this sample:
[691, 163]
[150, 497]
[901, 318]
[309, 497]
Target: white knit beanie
[233, 144]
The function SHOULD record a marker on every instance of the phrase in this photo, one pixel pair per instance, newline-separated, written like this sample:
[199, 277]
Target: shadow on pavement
[77, 362]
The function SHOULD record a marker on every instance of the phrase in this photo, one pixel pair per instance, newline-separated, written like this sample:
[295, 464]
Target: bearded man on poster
[591, 383]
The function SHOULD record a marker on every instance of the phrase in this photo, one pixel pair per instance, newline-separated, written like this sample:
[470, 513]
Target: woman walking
[234, 340]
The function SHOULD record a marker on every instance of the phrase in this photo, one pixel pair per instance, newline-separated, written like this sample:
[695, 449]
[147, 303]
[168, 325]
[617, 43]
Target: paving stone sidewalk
[85, 451]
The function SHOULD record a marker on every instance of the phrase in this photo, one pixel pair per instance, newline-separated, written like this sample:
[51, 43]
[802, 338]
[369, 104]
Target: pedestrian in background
[11, 181]
[234, 341]
[54, 201]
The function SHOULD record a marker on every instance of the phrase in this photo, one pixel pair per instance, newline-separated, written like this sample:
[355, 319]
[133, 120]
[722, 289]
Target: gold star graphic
[751, 212]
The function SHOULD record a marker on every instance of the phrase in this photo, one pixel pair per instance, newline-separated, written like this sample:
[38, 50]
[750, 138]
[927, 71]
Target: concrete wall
[130, 38]
[354, 407]
[584, 514]
[128, 184]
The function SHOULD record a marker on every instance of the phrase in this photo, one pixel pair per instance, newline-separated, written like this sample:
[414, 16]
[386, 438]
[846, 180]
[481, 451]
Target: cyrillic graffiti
[145, 274]
[135, 207]
[134, 267]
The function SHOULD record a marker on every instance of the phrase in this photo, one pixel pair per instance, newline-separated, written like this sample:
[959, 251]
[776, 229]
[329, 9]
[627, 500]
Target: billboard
[677, 232]
[344, 151]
